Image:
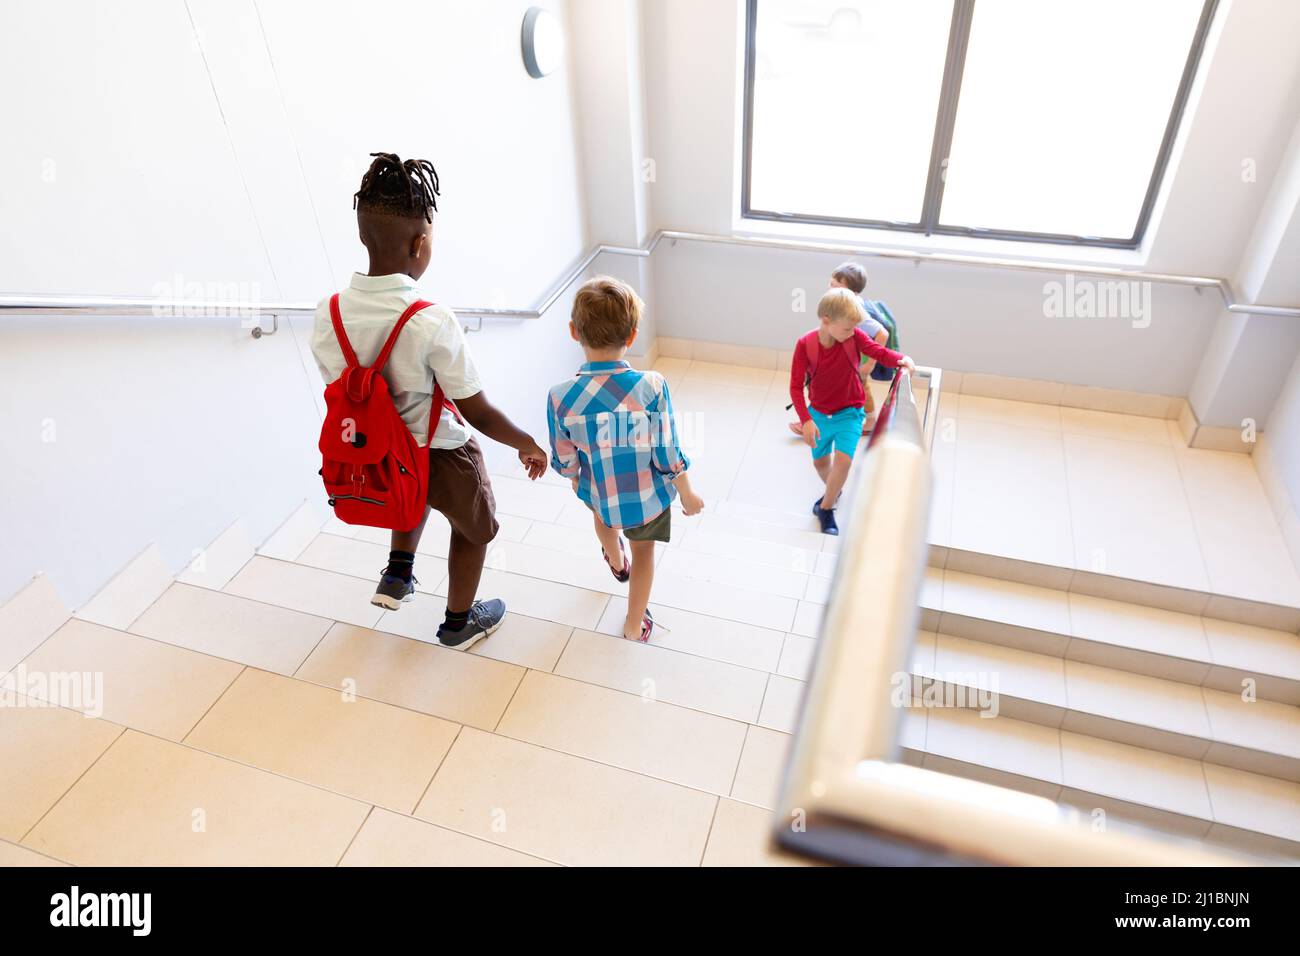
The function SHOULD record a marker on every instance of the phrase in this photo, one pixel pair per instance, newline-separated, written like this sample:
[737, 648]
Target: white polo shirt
[431, 344]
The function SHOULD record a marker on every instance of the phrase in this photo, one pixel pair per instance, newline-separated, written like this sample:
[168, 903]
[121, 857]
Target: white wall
[1277, 460]
[225, 149]
[956, 317]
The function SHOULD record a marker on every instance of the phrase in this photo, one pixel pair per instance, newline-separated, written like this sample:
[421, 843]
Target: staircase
[256, 709]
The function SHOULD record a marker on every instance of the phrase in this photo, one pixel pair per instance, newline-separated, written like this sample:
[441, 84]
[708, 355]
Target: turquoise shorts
[838, 432]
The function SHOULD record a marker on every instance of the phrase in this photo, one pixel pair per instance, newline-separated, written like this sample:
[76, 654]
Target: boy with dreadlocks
[395, 207]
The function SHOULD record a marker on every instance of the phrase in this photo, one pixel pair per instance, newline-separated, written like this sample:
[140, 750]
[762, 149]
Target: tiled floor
[265, 712]
[1101, 492]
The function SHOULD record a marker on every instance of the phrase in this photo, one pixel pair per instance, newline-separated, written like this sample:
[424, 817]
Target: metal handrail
[845, 797]
[108, 305]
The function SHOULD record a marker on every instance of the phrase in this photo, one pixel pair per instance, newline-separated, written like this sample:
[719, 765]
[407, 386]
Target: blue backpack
[880, 312]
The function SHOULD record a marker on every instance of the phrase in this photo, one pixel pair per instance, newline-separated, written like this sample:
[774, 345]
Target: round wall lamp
[542, 42]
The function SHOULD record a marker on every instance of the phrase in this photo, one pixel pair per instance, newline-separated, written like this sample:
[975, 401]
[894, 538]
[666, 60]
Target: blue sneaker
[484, 618]
[826, 518]
[393, 592]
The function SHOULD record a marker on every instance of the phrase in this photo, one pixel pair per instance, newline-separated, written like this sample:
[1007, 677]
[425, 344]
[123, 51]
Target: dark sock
[400, 564]
[455, 621]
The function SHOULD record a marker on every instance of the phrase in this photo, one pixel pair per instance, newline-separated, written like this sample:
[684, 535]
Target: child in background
[395, 207]
[613, 436]
[851, 276]
[828, 359]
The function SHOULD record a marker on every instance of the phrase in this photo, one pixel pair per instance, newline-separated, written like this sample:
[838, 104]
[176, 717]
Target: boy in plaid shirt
[613, 436]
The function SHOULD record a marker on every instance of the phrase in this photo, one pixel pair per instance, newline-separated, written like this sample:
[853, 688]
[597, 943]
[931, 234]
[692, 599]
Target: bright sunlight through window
[1048, 120]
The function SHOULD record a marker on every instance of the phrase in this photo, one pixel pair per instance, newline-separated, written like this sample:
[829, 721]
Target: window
[1011, 119]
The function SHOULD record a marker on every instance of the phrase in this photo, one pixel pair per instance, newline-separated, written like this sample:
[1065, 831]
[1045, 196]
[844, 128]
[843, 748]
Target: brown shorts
[459, 488]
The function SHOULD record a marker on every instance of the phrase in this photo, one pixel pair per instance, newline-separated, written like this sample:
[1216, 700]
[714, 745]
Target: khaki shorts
[657, 528]
[460, 490]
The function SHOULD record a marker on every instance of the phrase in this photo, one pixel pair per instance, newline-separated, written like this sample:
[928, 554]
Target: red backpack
[375, 472]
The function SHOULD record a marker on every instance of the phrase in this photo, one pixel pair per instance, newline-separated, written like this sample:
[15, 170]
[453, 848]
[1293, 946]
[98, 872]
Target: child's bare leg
[608, 538]
[823, 466]
[638, 591]
[838, 474]
[464, 568]
[410, 540]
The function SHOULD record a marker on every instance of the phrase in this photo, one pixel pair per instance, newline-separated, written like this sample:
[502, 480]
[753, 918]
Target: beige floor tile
[536, 501]
[294, 534]
[216, 564]
[390, 839]
[564, 808]
[1000, 411]
[740, 523]
[1253, 649]
[361, 559]
[659, 673]
[721, 544]
[12, 855]
[735, 572]
[1254, 802]
[373, 752]
[224, 625]
[1006, 602]
[134, 681]
[437, 534]
[781, 704]
[586, 570]
[1130, 513]
[772, 611]
[1244, 552]
[625, 730]
[704, 636]
[1262, 725]
[149, 802]
[733, 376]
[1253, 845]
[444, 682]
[1101, 624]
[797, 657]
[340, 597]
[762, 764]
[28, 618]
[544, 600]
[1012, 746]
[741, 836]
[1144, 702]
[1007, 671]
[130, 592]
[808, 619]
[1133, 774]
[43, 751]
[521, 640]
[1080, 421]
[1009, 494]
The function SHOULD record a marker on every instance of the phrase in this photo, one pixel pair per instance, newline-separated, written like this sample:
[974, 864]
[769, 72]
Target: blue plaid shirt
[612, 428]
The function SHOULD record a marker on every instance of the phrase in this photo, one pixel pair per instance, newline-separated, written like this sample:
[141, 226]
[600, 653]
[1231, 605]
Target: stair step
[1162, 715]
[1224, 806]
[1201, 651]
[28, 618]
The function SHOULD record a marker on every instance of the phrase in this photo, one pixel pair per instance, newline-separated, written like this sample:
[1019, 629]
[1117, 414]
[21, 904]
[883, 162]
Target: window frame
[945, 122]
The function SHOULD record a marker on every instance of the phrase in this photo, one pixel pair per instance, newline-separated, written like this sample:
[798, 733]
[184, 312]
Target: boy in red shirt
[827, 359]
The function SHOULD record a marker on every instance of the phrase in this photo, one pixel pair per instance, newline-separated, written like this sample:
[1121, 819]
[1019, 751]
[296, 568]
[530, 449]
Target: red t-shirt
[836, 383]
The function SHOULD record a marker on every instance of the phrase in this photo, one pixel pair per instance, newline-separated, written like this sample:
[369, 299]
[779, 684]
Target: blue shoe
[393, 592]
[826, 518]
[484, 618]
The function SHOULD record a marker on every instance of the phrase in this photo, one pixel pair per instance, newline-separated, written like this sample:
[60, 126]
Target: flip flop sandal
[620, 576]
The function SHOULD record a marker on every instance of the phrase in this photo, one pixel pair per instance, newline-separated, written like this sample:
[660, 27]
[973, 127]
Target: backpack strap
[812, 348]
[411, 309]
[348, 355]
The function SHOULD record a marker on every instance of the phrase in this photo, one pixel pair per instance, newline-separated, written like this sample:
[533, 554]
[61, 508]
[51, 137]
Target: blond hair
[606, 312]
[851, 275]
[841, 305]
